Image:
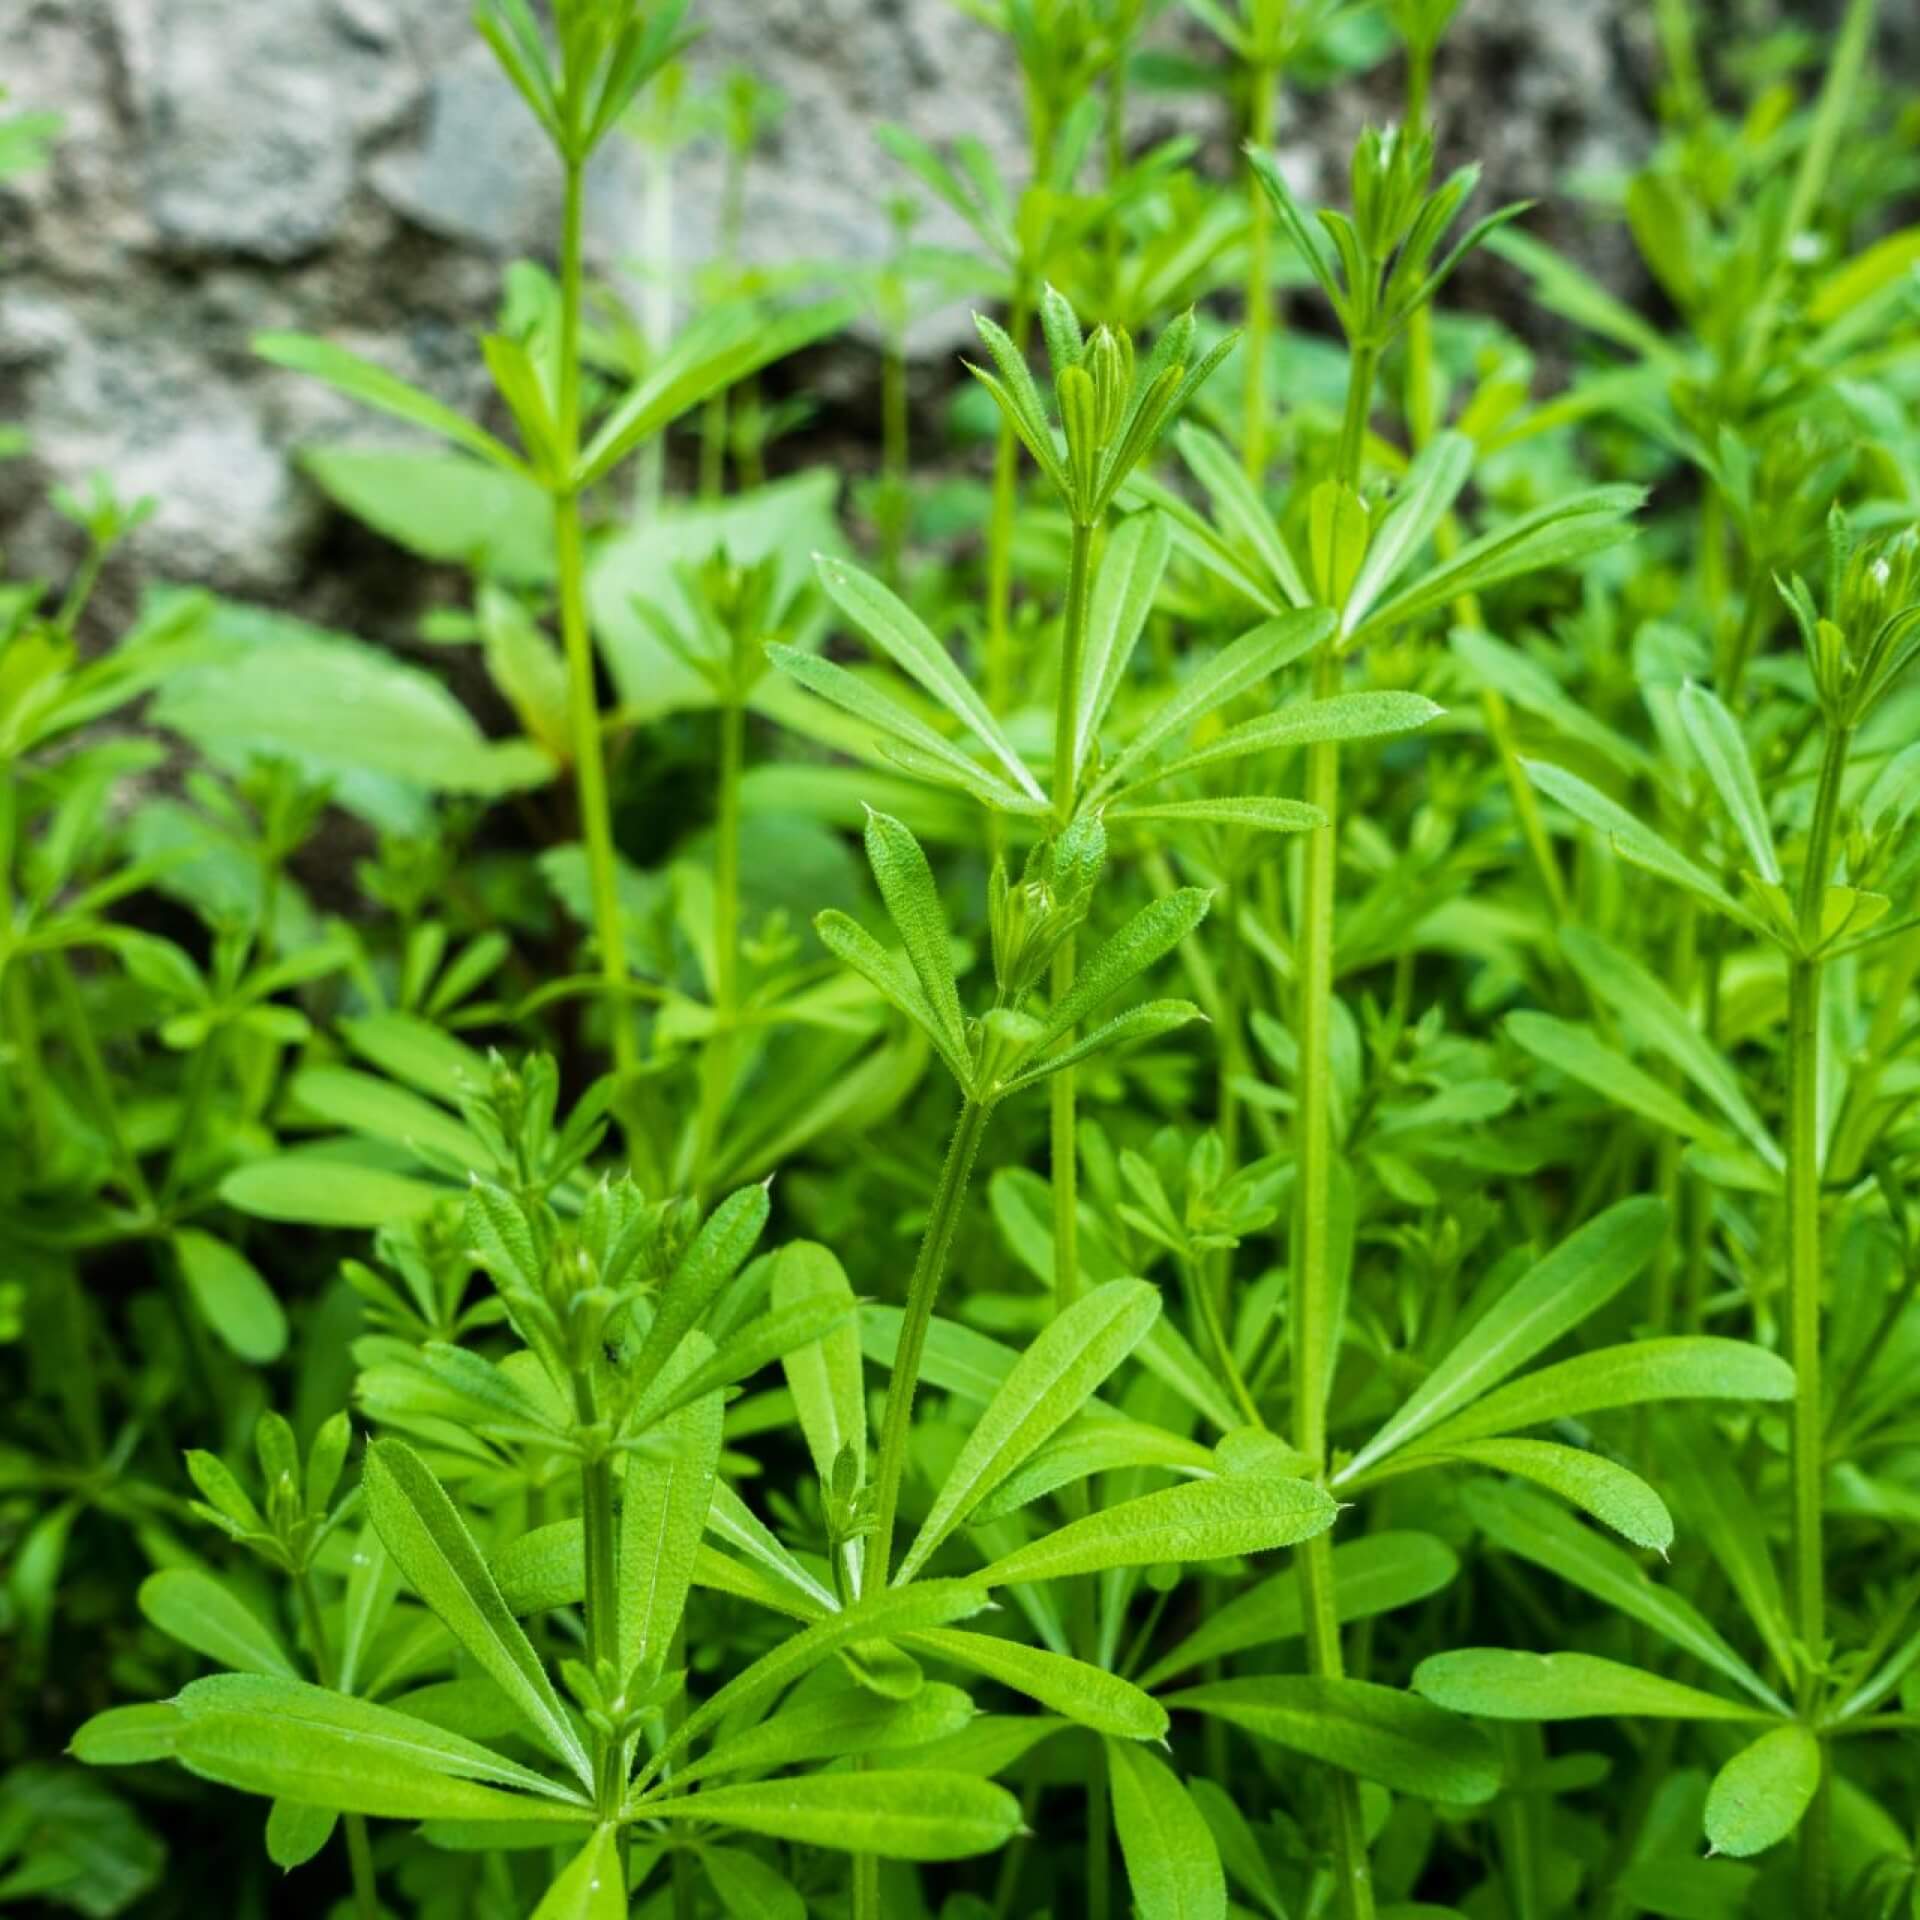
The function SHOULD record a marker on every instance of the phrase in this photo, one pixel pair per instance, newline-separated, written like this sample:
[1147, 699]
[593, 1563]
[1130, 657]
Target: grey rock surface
[358, 168]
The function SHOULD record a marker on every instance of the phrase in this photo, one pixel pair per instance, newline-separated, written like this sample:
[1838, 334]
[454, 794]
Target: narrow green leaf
[1260, 813]
[1578, 1277]
[1147, 938]
[1173, 1866]
[201, 1612]
[1715, 737]
[1425, 497]
[1073, 1688]
[1500, 1684]
[1599, 1486]
[1202, 1520]
[431, 1546]
[1050, 1382]
[849, 1720]
[233, 1299]
[664, 1503]
[1377, 1732]
[1241, 512]
[718, 1252]
[1131, 569]
[900, 1814]
[296, 1833]
[906, 884]
[592, 1885]
[1759, 1796]
[1579, 1053]
[825, 1376]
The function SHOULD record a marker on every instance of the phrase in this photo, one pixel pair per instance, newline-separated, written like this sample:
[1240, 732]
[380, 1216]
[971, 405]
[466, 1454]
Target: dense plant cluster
[1162, 1170]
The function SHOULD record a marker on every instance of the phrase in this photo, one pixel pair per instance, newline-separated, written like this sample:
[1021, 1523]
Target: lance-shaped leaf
[1679, 1367]
[1173, 1866]
[880, 1616]
[378, 1731]
[714, 353]
[1519, 1521]
[825, 1375]
[1498, 1683]
[1579, 1053]
[1635, 841]
[851, 944]
[1050, 1382]
[1131, 569]
[900, 1814]
[1012, 386]
[374, 386]
[906, 884]
[1578, 1277]
[592, 1885]
[1759, 1796]
[664, 1502]
[1307, 243]
[1342, 716]
[1715, 737]
[1241, 513]
[1528, 684]
[1095, 1442]
[1372, 1575]
[1376, 1732]
[232, 1297]
[1648, 1012]
[1257, 813]
[201, 1612]
[1147, 938]
[775, 1335]
[885, 619]
[909, 740]
[1202, 1520]
[1590, 1481]
[1146, 1022]
[735, 1523]
[1241, 664]
[431, 1546]
[1551, 536]
[296, 1833]
[718, 1252]
[1424, 499]
[848, 1720]
[1073, 1688]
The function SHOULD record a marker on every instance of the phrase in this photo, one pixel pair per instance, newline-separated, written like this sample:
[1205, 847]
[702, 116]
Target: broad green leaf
[880, 1616]
[904, 638]
[315, 1190]
[382, 1733]
[319, 1766]
[849, 1720]
[203, 1613]
[1579, 1053]
[431, 1546]
[1202, 1520]
[1050, 1382]
[1073, 1688]
[1679, 1367]
[1518, 1520]
[1498, 1683]
[296, 1833]
[664, 1502]
[1578, 1277]
[233, 1299]
[374, 386]
[1758, 1797]
[592, 1885]
[1173, 1866]
[1374, 1574]
[900, 1814]
[1599, 1486]
[1131, 569]
[825, 1376]
[1377, 1732]
[1715, 738]
[1237, 667]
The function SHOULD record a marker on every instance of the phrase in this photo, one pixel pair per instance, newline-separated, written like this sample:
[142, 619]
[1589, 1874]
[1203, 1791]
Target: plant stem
[583, 704]
[1063, 1088]
[717, 1063]
[1259, 297]
[366, 1896]
[893, 457]
[929, 1269]
[1353, 422]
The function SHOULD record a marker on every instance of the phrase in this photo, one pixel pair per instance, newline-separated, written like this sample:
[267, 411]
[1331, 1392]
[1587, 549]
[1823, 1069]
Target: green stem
[1353, 423]
[1063, 1090]
[717, 1064]
[366, 1897]
[583, 704]
[1259, 296]
[929, 1269]
[893, 458]
[1200, 1286]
